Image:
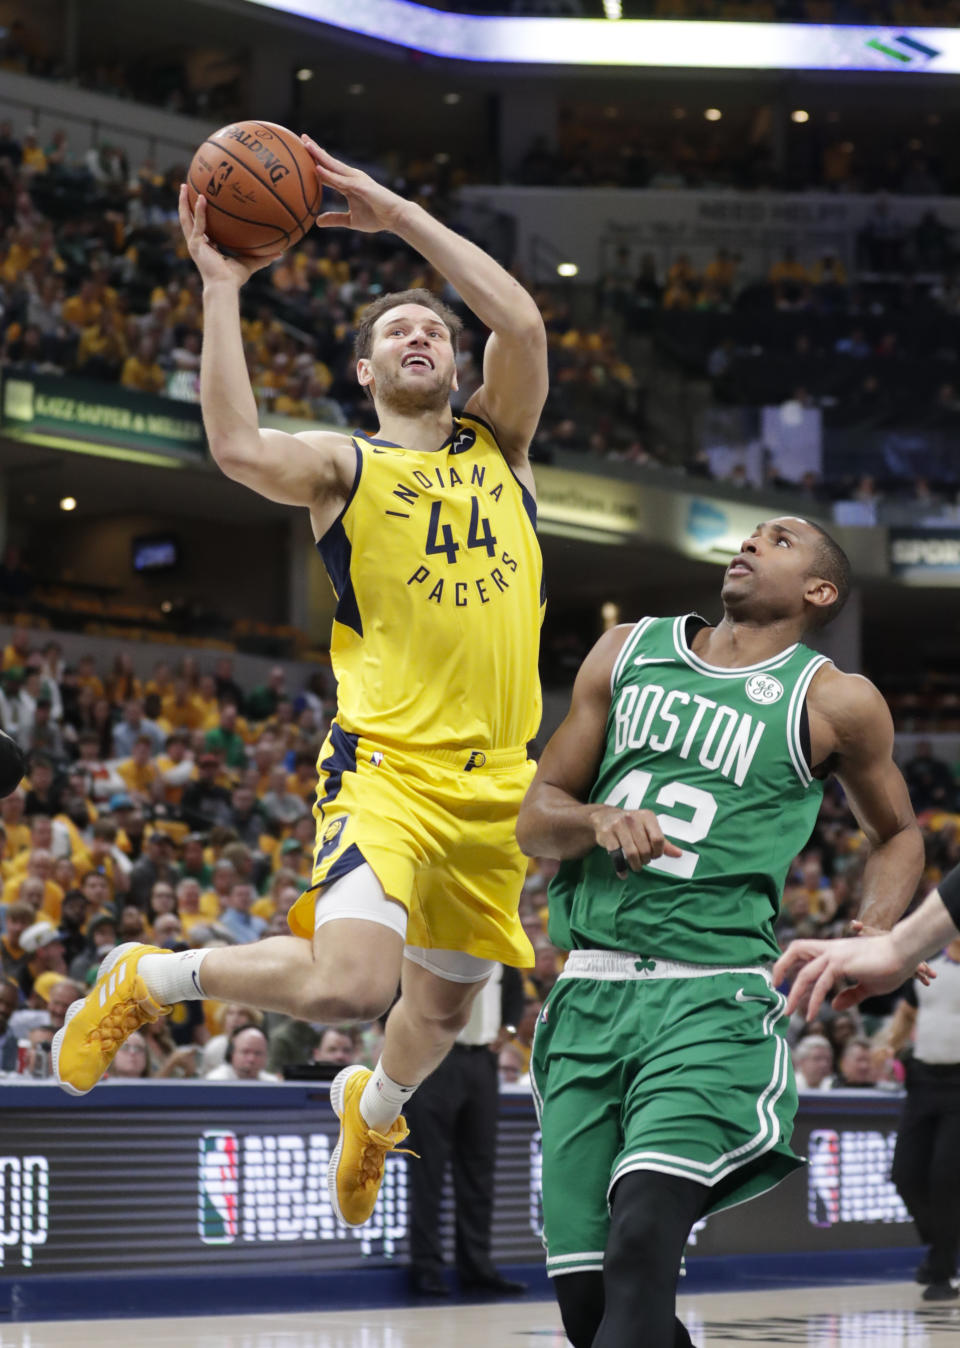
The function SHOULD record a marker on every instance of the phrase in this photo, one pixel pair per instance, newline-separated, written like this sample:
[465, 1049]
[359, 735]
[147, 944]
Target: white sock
[382, 1100]
[175, 977]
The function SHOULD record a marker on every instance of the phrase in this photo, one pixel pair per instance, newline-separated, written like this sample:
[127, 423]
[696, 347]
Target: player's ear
[364, 372]
[821, 593]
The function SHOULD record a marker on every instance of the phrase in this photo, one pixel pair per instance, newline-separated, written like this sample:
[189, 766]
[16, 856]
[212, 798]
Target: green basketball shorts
[650, 1065]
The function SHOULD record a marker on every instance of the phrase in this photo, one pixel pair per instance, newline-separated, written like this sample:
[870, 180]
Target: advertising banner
[140, 1187]
[94, 417]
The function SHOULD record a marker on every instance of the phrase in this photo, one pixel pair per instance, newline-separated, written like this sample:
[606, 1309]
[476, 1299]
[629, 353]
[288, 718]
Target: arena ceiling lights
[665, 43]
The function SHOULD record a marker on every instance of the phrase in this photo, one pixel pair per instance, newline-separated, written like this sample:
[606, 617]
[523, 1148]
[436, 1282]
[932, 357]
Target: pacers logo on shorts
[476, 760]
[329, 839]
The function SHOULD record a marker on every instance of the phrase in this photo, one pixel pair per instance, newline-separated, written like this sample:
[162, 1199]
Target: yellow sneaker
[356, 1167]
[96, 1025]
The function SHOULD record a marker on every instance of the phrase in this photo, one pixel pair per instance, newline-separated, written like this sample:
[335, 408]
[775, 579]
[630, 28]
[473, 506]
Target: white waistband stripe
[619, 965]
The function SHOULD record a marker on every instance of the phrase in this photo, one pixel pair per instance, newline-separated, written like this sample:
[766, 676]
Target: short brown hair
[363, 339]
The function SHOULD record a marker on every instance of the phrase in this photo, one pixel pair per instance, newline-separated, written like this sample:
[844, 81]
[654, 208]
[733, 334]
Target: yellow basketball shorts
[437, 827]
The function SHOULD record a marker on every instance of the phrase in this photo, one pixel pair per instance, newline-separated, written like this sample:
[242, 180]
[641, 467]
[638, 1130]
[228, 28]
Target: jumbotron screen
[666, 43]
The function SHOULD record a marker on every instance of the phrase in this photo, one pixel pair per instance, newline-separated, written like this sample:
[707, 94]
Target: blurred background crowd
[171, 800]
[176, 808]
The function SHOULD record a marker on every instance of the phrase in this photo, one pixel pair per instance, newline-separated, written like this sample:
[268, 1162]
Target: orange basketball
[260, 184]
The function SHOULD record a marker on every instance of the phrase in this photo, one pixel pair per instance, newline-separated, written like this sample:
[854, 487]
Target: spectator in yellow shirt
[15, 826]
[34, 160]
[788, 269]
[828, 271]
[122, 682]
[224, 878]
[13, 958]
[160, 682]
[99, 859]
[139, 772]
[102, 349]
[87, 676]
[83, 309]
[39, 868]
[206, 698]
[17, 652]
[285, 889]
[292, 400]
[189, 906]
[176, 767]
[17, 830]
[721, 272]
[141, 371]
[183, 709]
[267, 755]
[678, 295]
[41, 839]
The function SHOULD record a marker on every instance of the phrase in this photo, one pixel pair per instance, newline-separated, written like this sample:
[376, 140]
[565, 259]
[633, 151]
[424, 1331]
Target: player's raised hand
[211, 263]
[871, 964]
[370, 205]
[633, 838]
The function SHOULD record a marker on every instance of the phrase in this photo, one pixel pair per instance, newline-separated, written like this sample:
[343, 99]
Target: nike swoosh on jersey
[652, 660]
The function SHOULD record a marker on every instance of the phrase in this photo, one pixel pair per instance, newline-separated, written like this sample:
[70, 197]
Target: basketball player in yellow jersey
[427, 532]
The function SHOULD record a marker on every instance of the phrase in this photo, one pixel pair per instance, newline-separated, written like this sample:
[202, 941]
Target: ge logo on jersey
[763, 688]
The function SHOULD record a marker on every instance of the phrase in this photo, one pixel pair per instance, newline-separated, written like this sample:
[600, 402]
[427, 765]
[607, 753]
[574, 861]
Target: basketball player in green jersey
[683, 782]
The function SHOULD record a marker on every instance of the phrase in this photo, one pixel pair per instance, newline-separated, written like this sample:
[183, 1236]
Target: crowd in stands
[95, 280]
[932, 13]
[107, 291]
[178, 809]
[175, 809]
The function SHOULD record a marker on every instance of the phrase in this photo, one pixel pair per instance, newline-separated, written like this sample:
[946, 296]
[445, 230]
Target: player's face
[773, 575]
[412, 366]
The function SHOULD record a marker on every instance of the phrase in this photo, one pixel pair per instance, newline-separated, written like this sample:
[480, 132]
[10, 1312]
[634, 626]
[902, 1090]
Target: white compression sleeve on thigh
[453, 965]
[175, 977]
[359, 894]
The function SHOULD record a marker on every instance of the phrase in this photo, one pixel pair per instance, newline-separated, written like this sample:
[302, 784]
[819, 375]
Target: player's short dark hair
[830, 563]
[363, 338]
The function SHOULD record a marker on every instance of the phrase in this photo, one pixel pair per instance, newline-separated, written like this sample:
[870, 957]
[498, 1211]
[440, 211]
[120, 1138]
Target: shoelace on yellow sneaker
[121, 1022]
[374, 1151]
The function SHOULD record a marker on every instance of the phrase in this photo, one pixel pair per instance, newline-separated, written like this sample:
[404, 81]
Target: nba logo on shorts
[763, 688]
[219, 1188]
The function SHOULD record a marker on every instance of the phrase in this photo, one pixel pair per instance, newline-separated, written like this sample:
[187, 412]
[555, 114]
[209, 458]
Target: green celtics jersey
[718, 754]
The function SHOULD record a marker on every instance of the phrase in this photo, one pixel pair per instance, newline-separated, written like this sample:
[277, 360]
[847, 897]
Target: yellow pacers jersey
[439, 578]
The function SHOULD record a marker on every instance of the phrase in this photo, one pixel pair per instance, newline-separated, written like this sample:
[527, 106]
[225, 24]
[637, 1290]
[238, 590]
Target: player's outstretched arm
[308, 470]
[556, 819]
[857, 731]
[515, 360]
[875, 964]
